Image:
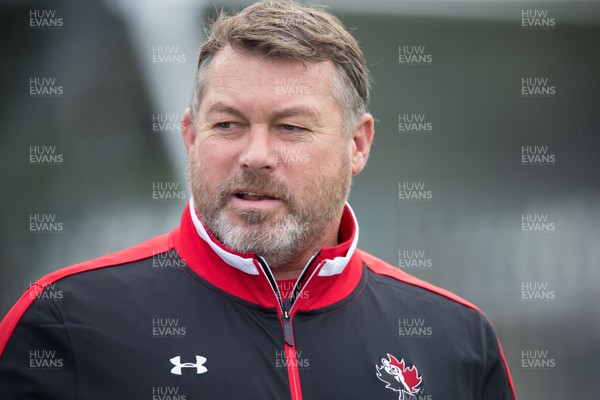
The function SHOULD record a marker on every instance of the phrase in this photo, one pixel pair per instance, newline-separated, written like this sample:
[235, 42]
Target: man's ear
[362, 138]
[188, 130]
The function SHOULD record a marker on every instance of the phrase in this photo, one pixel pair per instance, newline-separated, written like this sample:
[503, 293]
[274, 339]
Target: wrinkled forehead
[230, 67]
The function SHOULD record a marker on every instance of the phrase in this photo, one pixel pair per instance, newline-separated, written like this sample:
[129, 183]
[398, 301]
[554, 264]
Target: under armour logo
[200, 368]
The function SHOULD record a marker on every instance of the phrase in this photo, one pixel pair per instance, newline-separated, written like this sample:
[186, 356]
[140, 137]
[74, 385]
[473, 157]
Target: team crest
[398, 378]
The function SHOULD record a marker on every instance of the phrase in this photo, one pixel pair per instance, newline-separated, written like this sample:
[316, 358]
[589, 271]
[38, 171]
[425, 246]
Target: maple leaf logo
[398, 378]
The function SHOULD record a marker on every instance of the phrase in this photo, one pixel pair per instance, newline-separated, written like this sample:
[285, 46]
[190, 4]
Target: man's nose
[259, 152]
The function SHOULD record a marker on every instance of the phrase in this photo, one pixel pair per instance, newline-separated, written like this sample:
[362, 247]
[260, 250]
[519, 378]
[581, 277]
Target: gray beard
[278, 244]
[277, 238]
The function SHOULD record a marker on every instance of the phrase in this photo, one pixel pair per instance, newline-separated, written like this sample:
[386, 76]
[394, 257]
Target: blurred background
[484, 177]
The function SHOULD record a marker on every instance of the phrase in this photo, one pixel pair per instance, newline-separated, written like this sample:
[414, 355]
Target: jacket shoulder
[499, 379]
[138, 252]
[382, 268]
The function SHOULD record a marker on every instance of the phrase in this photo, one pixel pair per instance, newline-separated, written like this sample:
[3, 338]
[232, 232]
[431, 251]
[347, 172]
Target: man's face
[269, 166]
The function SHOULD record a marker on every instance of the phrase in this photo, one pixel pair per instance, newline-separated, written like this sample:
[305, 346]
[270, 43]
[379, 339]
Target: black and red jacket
[181, 317]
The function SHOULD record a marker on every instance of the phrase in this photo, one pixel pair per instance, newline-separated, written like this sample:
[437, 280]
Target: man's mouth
[255, 201]
[253, 196]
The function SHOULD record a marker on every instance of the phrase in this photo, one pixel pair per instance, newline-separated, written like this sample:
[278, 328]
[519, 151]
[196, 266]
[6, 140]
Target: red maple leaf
[410, 375]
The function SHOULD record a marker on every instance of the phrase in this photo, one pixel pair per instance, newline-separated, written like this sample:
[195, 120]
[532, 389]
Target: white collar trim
[337, 265]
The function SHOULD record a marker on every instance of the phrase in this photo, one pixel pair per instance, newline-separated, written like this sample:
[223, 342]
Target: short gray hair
[287, 30]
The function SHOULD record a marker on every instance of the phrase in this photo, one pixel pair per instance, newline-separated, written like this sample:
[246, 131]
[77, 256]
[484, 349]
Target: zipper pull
[287, 323]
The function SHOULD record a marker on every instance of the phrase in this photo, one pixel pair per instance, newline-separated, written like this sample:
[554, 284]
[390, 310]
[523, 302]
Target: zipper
[286, 307]
[288, 334]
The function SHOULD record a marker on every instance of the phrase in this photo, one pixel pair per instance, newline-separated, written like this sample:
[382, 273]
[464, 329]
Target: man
[261, 292]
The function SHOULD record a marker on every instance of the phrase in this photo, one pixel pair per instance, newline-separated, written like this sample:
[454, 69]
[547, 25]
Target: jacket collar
[330, 276]
[243, 262]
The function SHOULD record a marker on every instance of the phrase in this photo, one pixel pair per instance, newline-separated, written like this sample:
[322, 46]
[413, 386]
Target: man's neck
[293, 269]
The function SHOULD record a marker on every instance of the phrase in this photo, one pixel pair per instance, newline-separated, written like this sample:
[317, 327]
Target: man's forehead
[229, 64]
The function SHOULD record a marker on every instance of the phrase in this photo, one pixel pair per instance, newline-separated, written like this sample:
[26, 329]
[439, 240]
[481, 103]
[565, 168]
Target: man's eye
[291, 128]
[224, 125]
